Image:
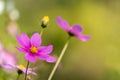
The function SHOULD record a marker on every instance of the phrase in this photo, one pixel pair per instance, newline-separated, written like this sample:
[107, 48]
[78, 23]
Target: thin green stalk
[59, 59]
[26, 70]
[42, 31]
[18, 77]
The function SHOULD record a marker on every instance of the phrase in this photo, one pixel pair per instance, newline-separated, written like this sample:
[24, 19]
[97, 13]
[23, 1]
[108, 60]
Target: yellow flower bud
[45, 21]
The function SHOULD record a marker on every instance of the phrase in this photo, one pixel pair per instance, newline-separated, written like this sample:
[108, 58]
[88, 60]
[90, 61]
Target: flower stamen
[33, 50]
[21, 66]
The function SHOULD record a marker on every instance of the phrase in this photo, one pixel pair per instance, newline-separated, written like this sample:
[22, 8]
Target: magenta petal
[47, 58]
[23, 40]
[51, 59]
[30, 58]
[62, 23]
[36, 40]
[21, 49]
[77, 28]
[84, 37]
[46, 49]
[42, 57]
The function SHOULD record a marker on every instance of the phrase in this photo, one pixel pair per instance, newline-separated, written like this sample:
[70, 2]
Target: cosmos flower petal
[42, 57]
[77, 28]
[62, 23]
[21, 49]
[47, 58]
[7, 58]
[7, 66]
[46, 49]
[30, 71]
[36, 39]
[30, 57]
[35, 74]
[51, 59]
[83, 37]
[23, 40]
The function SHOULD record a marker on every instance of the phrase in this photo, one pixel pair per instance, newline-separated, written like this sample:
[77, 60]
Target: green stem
[59, 59]
[26, 70]
[42, 31]
[18, 77]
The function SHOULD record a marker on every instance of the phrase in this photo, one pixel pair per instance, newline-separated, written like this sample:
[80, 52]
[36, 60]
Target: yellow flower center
[45, 19]
[33, 49]
[21, 66]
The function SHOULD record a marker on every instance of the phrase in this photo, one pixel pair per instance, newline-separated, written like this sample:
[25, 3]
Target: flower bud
[20, 67]
[45, 21]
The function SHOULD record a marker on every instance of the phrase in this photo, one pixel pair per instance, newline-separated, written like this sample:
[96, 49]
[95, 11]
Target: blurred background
[96, 59]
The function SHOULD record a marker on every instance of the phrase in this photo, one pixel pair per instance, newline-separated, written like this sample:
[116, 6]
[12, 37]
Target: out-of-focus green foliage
[97, 59]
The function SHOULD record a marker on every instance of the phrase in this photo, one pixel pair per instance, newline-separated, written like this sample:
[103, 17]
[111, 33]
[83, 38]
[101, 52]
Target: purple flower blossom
[76, 30]
[32, 49]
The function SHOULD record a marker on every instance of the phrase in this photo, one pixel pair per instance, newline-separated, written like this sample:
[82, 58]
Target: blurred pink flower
[32, 49]
[76, 30]
[21, 69]
[13, 28]
[6, 58]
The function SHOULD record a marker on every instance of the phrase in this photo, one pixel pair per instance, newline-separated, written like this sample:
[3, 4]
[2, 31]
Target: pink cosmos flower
[6, 58]
[21, 69]
[76, 30]
[32, 49]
